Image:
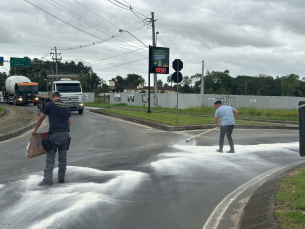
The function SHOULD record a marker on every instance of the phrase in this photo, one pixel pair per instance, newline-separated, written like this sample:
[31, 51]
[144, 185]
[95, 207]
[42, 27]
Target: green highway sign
[20, 62]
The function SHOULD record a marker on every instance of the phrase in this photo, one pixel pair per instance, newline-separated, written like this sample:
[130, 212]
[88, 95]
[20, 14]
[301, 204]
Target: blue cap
[56, 93]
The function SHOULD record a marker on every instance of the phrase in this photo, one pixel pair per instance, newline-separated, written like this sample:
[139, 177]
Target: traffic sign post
[177, 65]
[20, 62]
[301, 108]
[177, 77]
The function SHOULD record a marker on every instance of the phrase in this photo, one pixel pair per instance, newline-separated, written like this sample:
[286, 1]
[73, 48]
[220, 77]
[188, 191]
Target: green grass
[170, 119]
[1, 110]
[251, 113]
[290, 201]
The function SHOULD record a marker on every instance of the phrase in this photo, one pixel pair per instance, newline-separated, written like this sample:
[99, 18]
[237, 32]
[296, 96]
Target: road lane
[123, 175]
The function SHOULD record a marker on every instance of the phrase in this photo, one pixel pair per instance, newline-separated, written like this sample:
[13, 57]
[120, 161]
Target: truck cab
[71, 93]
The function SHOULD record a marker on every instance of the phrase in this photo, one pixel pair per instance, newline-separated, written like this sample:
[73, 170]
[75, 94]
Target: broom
[190, 139]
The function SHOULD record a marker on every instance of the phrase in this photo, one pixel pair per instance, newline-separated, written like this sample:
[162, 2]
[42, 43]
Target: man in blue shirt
[228, 115]
[59, 137]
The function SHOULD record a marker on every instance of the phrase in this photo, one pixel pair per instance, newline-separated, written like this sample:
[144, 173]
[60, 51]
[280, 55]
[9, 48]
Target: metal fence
[198, 100]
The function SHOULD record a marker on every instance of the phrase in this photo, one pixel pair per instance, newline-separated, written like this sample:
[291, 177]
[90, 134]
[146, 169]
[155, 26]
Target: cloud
[243, 36]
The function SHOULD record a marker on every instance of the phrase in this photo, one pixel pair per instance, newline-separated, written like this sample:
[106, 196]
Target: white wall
[198, 100]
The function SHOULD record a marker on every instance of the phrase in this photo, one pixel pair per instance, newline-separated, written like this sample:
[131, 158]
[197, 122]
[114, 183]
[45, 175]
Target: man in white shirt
[228, 115]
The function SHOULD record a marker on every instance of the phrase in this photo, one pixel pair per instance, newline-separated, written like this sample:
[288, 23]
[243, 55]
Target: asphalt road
[125, 175]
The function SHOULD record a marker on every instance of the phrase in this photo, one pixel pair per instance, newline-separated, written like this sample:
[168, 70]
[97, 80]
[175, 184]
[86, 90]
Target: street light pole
[48, 65]
[157, 38]
[202, 79]
[121, 30]
[155, 74]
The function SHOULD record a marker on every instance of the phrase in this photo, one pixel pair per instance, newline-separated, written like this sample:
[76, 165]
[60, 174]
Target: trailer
[71, 94]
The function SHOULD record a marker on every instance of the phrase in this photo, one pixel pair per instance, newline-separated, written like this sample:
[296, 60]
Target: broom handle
[204, 132]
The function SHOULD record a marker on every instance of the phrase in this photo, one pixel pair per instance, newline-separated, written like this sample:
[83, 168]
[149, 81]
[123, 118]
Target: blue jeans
[57, 138]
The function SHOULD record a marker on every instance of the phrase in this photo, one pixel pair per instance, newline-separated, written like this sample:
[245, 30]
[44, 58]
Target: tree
[290, 85]
[103, 89]
[186, 85]
[134, 80]
[3, 77]
[119, 83]
[170, 80]
[196, 79]
[160, 83]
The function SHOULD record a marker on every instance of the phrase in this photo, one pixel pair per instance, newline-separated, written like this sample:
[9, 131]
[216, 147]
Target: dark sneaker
[45, 182]
[219, 150]
[61, 180]
[231, 151]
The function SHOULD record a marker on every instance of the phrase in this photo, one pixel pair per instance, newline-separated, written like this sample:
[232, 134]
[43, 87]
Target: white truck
[71, 94]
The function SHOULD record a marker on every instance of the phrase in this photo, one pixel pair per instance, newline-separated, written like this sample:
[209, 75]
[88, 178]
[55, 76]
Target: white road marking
[147, 127]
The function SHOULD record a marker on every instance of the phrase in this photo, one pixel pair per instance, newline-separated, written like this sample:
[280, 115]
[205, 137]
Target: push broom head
[189, 139]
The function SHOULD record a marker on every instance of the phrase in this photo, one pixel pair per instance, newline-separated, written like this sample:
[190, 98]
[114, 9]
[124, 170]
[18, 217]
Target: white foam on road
[190, 156]
[26, 205]
[102, 193]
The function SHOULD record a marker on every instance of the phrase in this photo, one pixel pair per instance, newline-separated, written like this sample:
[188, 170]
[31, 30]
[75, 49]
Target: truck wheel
[80, 111]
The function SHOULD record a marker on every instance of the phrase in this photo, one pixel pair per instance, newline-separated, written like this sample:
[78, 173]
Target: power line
[78, 17]
[137, 7]
[135, 27]
[95, 13]
[122, 64]
[119, 5]
[61, 19]
[118, 55]
[102, 40]
[118, 62]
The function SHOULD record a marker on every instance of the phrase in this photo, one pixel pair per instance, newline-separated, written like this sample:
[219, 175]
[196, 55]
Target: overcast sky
[245, 37]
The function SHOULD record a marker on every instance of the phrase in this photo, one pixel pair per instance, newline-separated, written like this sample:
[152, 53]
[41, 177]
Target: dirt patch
[15, 118]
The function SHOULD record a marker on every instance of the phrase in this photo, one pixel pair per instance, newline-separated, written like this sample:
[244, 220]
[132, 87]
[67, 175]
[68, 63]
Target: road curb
[3, 113]
[17, 132]
[181, 128]
[259, 211]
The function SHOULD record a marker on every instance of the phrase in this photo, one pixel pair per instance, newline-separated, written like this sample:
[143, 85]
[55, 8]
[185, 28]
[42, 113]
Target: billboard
[158, 60]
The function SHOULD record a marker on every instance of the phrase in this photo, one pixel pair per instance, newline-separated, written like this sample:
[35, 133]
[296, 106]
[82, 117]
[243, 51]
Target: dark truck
[20, 90]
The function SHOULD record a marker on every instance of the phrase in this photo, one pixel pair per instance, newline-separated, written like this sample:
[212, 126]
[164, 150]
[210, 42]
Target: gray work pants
[223, 131]
[58, 138]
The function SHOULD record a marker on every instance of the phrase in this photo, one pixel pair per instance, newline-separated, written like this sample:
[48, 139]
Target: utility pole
[155, 74]
[202, 79]
[56, 58]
